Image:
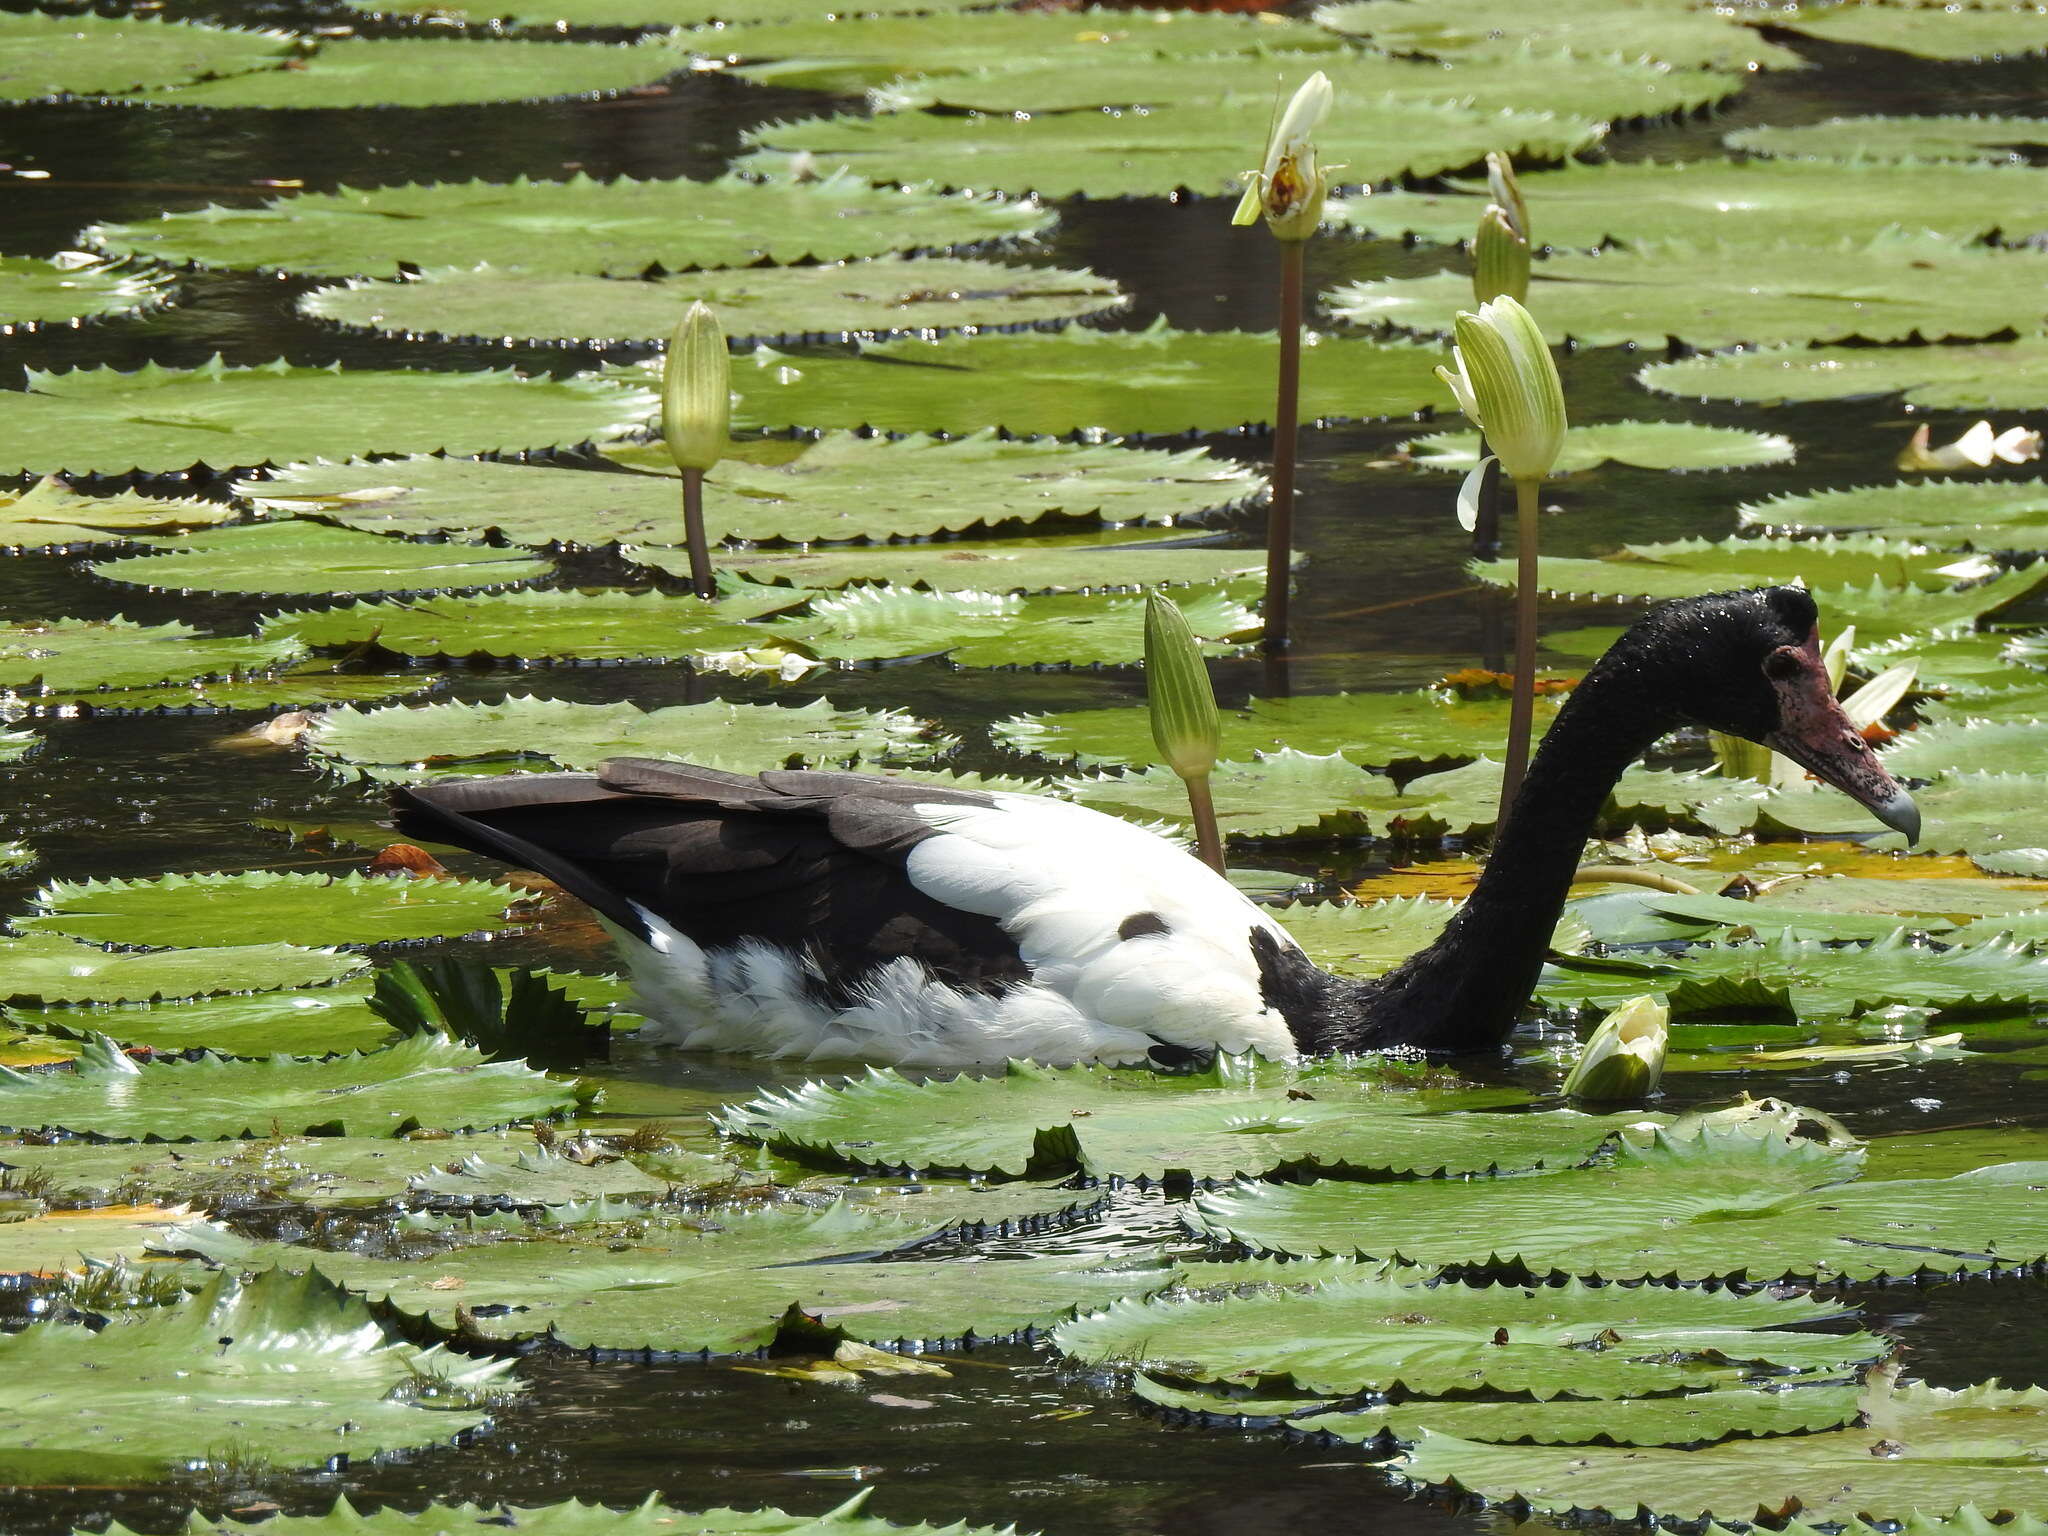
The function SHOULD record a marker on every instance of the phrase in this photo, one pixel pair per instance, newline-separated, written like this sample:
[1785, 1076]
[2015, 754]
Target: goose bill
[1815, 733]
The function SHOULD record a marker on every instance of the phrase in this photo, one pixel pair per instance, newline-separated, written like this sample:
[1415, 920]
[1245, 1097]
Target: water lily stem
[701, 580]
[1522, 702]
[1286, 424]
[1208, 839]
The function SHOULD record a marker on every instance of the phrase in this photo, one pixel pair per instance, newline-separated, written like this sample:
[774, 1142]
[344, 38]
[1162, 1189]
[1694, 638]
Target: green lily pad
[425, 1079]
[1399, 1335]
[1960, 899]
[285, 1369]
[1240, 1115]
[1929, 31]
[579, 225]
[47, 968]
[62, 1242]
[305, 1022]
[606, 625]
[1156, 381]
[1106, 559]
[1963, 138]
[43, 55]
[993, 629]
[1457, 30]
[1719, 1202]
[928, 295]
[35, 292]
[1688, 567]
[306, 686]
[1985, 514]
[1768, 919]
[50, 515]
[16, 745]
[76, 655]
[1923, 1451]
[103, 420]
[429, 72]
[1370, 939]
[1973, 813]
[559, 14]
[1640, 444]
[1284, 794]
[1881, 612]
[1687, 1418]
[692, 1286]
[1896, 287]
[1954, 745]
[1703, 201]
[268, 906]
[302, 559]
[2002, 375]
[1120, 153]
[455, 740]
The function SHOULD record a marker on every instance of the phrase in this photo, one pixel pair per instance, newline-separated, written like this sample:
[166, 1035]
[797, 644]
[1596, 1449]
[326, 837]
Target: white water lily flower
[1506, 382]
[2017, 445]
[1978, 448]
[1289, 188]
[1625, 1057]
[696, 391]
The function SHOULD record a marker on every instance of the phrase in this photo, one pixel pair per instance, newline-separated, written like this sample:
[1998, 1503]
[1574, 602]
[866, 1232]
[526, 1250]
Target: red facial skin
[1815, 733]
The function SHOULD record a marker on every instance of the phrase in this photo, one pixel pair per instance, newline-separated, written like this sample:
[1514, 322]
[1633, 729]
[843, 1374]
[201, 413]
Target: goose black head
[1749, 663]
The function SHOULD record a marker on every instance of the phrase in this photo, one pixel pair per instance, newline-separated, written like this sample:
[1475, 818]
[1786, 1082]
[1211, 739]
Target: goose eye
[1784, 663]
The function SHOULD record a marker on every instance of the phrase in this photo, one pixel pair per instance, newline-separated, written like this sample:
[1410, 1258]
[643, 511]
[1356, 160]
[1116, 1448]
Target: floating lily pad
[103, 420]
[1928, 31]
[2005, 375]
[1955, 745]
[426, 1079]
[1960, 899]
[1987, 514]
[1131, 153]
[286, 1369]
[306, 1022]
[302, 559]
[843, 486]
[636, 13]
[1722, 1202]
[1896, 287]
[620, 227]
[44, 55]
[1974, 813]
[1457, 30]
[1235, 1116]
[1369, 939]
[1688, 567]
[1921, 1451]
[307, 686]
[47, 968]
[694, 1286]
[992, 629]
[1640, 444]
[268, 906]
[34, 292]
[16, 745]
[76, 655]
[51, 515]
[1079, 562]
[1156, 381]
[1702, 201]
[1284, 794]
[1881, 612]
[1970, 138]
[429, 72]
[62, 1242]
[890, 294]
[454, 740]
[1687, 1418]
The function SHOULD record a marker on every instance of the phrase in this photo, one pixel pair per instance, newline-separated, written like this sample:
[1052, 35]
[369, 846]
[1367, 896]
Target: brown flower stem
[1522, 702]
[1208, 839]
[701, 580]
[1286, 424]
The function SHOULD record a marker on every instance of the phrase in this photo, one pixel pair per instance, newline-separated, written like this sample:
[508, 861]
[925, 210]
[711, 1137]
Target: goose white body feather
[1062, 881]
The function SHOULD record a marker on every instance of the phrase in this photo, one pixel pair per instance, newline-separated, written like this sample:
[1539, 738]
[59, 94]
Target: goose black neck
[1463, 994]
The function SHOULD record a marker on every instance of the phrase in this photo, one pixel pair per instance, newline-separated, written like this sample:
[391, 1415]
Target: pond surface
[1384, 603]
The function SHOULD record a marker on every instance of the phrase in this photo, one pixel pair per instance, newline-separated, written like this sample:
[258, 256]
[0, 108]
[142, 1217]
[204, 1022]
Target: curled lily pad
[1687, 567]
[927, 295]
[1640, 444]
[51, 515]
[70, 656]
[619, 227]
[103, 420]
[1964, 138]
[35, 292]
[452, 740]
[1930, 31]
[1892, 287]
[47, 968]
[1157, 381]
[43, 55]
[1456, 30]
[304, 1022]
[302, 559]
[268, 906]
[1987, 514]
[1278, 794]
[2003, 375]
[286, 1369]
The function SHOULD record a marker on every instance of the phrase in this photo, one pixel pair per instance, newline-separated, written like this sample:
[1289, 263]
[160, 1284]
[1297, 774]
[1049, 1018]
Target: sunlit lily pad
[1280, 794]
[44, 55]
[1966, 138]
[635, 13]
[47, 968]
[1702, 201]
[1687, 567]
[1080, 562]
[1958, 744]
[103, 420]
[61, 1242]
[1128, 153]
[1369, 939]
[2005, 375]
[925, 295]
[1958, 32]
[75, 655]
[843, 486]
[268, 906]
[286, 1369]
[619, 227]
[426, 1079]
[1987, 514]
[51, 515]
[691, 1285]
[303, 559]
[1895, 287]
[1973, 813]
[452, 740]
[1157, 381]
[1457, 30]
[1723, 1202]
[16, 745]
[1235, 1116]
[430, 72]
[35, 292]
[992, 629]
[307, 1022]
[1640, 444]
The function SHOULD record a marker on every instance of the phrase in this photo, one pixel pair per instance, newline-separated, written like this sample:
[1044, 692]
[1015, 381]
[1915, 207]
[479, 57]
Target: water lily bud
[1289, 188]
[1185, 725]
[696, 391]
[1507, 192]
[1625, 1057]
[1500, 258]
[1507, 383]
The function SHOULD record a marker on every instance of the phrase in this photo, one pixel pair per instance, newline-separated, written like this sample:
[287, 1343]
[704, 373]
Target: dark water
[1383, 604]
